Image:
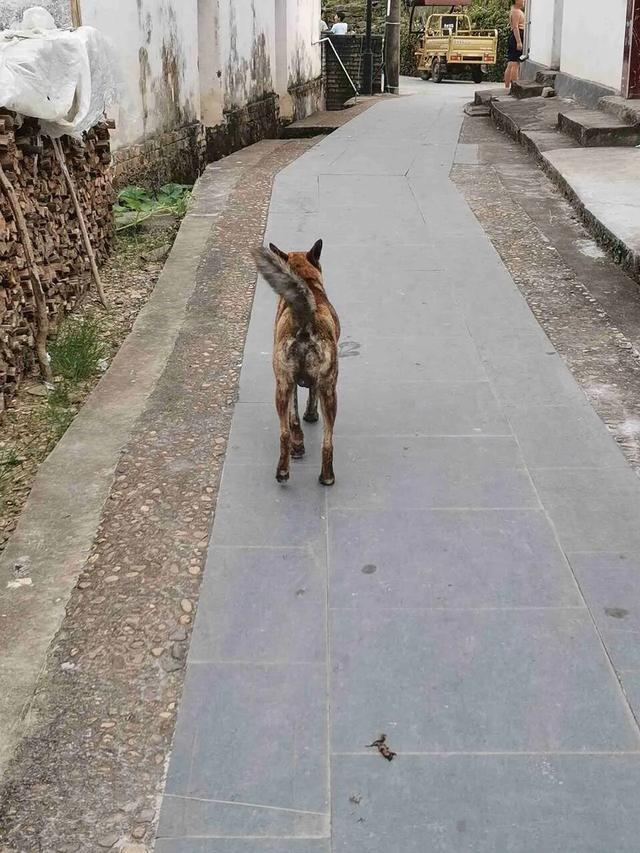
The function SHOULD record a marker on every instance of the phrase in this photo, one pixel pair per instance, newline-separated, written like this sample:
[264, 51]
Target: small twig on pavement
[381, 745]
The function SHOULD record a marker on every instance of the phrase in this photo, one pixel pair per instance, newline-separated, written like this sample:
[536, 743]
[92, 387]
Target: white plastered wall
[156, 47]
[593, 35]
[545, 32]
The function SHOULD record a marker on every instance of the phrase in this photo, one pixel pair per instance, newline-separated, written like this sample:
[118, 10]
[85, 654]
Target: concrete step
[476, 110]
[526, 89]
[624, 110]
[539, 141]
[597, 129]
[306, 131]
[546, 78]
[485, 96]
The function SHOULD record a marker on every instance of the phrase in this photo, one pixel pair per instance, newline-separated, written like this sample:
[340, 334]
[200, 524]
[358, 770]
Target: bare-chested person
[516, 41]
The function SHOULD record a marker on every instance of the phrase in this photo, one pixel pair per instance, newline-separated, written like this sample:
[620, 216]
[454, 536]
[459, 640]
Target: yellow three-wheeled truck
[447, 43]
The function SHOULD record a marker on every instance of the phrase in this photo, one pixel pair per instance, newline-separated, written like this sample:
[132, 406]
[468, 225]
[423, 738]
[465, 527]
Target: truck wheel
[425, 75]
[438, 71]
[476, 74]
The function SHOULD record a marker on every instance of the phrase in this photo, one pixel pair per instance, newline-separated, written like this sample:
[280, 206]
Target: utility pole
[392, 48]
[367, 54]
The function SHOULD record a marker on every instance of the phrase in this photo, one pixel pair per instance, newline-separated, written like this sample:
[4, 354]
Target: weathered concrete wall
[236, 68]
[10, 10]
[303, 28]
[251, 50]
[247, 50]
[210, 63]
[304, 59]
[156, 43]
[593, 40]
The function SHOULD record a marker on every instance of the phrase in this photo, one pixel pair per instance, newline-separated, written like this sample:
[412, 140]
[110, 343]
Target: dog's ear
[278, 252]
[313, 256]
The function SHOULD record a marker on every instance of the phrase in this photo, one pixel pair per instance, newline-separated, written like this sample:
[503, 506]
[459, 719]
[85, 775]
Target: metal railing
[333, 48]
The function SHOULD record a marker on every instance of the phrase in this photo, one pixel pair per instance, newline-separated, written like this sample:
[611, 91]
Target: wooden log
[58, 245]
[38, 293]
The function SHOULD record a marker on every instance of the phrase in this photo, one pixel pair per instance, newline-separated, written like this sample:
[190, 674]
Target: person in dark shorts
[516, 42]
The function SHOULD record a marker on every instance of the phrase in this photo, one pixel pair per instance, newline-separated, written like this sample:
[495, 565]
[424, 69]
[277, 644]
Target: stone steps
[306, 131]
[595, 129]
[476, 110]
[526, 89]
[624, 110]
[546, 78]
[485, 96]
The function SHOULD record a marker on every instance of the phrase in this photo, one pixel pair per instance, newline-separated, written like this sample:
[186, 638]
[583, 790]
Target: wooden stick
[42, 327]
[57, 147]
[76, 14]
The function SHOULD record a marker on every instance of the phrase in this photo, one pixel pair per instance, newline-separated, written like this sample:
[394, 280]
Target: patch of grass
[77, 349]
[9, 460]
[58, 412]
[136, 204]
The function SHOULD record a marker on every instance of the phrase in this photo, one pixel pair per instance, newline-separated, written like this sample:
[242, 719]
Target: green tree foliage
[355, 11]
[493, 14]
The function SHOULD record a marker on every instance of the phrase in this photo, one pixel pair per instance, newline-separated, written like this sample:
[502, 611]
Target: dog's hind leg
[311, 413]
[297, 436]
[283, 406]
[329, 404]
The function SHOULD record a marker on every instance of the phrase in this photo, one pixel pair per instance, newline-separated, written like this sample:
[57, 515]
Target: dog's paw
[310, 417]
[327, 481]
[282, 476]
[297, 451]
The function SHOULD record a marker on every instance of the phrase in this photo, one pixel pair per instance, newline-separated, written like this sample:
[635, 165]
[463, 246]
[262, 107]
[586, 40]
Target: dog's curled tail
[287, 284]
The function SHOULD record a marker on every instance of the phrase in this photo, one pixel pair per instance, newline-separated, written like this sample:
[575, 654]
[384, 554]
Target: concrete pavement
[470, 586]
[603, 183]
[606, 183]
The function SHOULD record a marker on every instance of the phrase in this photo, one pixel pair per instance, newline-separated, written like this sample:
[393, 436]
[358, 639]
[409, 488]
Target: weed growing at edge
[9, 459]
[77, 349]
[59, 411]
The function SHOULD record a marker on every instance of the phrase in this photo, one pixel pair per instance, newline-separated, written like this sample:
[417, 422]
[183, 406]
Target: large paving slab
[607, 182]
[485, 803]
[470, 586]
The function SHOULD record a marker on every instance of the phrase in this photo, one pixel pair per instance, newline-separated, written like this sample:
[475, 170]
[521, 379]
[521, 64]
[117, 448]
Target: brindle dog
[305, 351]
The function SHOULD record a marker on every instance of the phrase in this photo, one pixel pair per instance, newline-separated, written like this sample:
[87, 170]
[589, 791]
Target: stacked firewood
[29, 162]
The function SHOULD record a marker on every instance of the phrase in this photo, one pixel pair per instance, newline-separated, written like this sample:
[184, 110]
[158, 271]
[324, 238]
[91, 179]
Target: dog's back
[305, 351]
[307, 328]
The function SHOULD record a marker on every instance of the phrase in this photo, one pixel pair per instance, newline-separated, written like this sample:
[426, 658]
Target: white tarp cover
[65, 78]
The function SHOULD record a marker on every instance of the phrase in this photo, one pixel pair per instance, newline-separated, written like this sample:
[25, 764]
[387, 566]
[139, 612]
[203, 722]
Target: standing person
[323, 21]
[340, 26]
[516, 42]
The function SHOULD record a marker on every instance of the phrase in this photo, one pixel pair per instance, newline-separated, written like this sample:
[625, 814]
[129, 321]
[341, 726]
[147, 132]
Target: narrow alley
[462, 588]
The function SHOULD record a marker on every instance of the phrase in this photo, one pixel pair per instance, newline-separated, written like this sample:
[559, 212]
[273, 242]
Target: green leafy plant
[489, 15]
[408, 47]
[77, 349]
[136, 204]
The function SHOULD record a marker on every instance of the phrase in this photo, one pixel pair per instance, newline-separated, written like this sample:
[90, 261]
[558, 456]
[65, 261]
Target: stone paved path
[470, 586]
